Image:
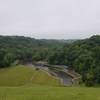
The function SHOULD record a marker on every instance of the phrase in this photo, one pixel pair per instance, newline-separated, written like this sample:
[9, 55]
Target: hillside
[23, 75]
[82, 56]
[27, 42]
[22, 48]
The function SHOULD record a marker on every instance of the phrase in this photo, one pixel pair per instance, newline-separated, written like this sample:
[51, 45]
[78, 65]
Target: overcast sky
[60, 19]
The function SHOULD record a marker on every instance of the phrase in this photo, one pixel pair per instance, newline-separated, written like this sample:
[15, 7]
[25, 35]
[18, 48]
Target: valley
[32, 69]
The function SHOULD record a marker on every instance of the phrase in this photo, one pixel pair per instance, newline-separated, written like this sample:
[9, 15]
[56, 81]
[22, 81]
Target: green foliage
[83, 56]
[9, 58]
[25, 49]
[89, 79]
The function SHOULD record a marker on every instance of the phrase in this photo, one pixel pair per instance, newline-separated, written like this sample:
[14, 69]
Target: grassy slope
[49, 93]
[22, 75]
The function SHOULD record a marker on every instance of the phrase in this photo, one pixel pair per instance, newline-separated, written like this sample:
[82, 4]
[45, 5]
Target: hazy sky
[50, 18]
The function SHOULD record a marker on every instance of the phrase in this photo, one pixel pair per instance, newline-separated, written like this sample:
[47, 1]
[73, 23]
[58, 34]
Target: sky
[50, 19]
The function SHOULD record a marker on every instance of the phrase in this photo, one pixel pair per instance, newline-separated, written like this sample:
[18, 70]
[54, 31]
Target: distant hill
[24, 48]
[19, 41]
[14, 48]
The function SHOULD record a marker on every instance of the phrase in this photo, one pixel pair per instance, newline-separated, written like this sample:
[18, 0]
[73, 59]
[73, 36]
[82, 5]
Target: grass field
[49, 93]
[23, 75]
[25, 83]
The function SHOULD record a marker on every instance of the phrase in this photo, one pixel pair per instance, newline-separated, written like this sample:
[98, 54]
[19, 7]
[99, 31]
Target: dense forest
[82, 55]
[14, 49]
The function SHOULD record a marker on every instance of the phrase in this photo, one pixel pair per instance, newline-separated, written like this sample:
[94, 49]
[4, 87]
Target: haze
[50, 19]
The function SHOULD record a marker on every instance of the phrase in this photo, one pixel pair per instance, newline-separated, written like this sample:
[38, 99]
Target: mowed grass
[49, 93]
[22, 75]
